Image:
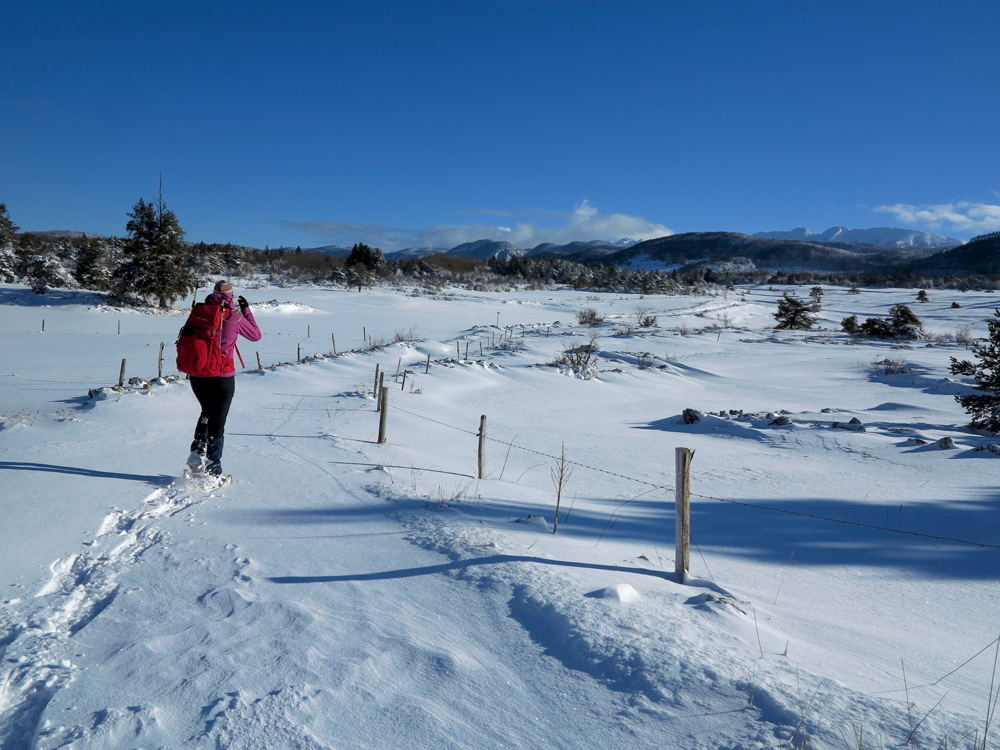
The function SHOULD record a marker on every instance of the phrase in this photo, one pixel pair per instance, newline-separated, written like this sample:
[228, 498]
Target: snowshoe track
[36, 634]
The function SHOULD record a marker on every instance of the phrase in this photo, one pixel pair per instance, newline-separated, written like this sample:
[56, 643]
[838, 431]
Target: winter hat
[223, 287]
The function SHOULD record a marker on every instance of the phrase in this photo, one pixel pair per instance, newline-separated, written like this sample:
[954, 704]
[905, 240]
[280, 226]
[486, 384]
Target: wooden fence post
[43, 325]
[159, 365]
[458, 354]
[333, 340]
[403, 386]
[119, 326]
[398, 365]
[381, 388]
[309, 332]
[466, 349]
[121, 375]
[258, 362]
[299, 352]
[427, 369]
[383, 414]
[482, 447]
[682, 561]
[375, 384]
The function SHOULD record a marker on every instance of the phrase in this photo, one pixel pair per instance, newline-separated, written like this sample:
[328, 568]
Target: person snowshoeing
[215, 394]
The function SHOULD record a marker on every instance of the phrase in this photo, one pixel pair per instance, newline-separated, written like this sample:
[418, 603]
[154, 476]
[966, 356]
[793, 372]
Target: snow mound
[282, 308]
[623, 593]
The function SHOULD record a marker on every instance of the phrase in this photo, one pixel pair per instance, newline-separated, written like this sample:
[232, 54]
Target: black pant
[215, 396]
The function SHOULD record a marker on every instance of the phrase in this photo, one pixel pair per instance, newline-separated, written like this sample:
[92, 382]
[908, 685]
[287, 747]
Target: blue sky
[433, 123]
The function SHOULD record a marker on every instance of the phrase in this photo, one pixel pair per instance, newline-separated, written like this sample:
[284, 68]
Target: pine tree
[904, 322]
[156, 260]
[793, 314]
[8, 230]
[922, 296]
[371, 257]
[984, 407]
[850, 324]
[92, 267]
[45, 272]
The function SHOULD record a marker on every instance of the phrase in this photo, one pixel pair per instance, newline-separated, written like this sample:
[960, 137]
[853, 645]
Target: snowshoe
[207, 481]
[195, 464]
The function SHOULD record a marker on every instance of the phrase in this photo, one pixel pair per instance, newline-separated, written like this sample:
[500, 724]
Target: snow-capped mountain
[887, 236]
[486, 249]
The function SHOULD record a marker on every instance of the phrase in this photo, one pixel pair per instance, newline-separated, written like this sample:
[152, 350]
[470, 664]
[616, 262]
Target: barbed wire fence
[729, 501]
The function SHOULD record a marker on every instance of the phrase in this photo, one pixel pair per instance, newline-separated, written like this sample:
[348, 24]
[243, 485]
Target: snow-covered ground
[349, 594]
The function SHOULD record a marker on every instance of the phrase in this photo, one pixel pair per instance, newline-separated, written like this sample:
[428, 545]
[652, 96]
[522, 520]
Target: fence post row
[682, 561]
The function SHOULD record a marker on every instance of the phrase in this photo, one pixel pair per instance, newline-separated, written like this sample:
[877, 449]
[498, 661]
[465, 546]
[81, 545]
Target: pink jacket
[234, 325]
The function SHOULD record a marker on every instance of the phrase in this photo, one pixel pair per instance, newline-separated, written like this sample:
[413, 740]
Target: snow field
[348, 594]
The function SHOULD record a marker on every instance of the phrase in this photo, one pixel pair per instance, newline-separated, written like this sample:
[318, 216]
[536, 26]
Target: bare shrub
[644, 317]
[560, 475]
[405, 335]
[644, 360]
[889, 366]
[963, 336]
[578, 356]
[588, 316]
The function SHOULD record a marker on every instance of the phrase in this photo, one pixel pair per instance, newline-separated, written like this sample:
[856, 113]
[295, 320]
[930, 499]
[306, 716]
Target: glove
[243, 303]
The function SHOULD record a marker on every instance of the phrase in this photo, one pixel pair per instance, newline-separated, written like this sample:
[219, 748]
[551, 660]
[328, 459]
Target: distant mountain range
[886, 236]
[765, 246]
[880, 249]
[486, 249]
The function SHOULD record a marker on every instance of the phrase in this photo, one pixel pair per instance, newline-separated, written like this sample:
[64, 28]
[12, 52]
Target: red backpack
[198, 350]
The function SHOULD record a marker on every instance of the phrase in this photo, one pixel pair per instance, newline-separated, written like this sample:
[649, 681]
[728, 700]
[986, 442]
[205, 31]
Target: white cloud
[963, 216]
[584, 223]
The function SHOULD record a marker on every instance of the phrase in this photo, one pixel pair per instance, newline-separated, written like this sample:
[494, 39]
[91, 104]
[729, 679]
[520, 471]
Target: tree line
[153, 264]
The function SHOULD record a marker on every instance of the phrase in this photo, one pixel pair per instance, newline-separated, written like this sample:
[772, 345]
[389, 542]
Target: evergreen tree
[156, 260]
[371, 257]
[793, 314]
[984, 407]
[92, 267]
[45, 271]
[9, 263]
[8, 230]
[922, 296]
[904, 322]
